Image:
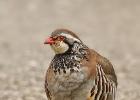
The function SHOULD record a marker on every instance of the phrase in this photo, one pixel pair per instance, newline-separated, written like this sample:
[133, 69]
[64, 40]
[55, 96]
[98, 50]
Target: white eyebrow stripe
[70, 36]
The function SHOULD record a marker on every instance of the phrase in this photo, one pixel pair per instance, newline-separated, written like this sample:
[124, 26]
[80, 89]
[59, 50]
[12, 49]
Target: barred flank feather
[104, 88]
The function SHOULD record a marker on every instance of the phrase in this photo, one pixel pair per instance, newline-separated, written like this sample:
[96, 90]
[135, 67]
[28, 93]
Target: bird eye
[61, 37]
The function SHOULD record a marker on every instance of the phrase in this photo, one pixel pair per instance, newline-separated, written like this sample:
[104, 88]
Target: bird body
[77, 72]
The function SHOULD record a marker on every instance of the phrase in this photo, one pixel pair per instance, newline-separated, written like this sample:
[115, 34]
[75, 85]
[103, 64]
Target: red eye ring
[61, 37]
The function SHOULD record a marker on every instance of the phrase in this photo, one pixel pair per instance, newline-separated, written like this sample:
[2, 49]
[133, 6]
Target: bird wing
[108, 69]
[106, 66]
[105, 78]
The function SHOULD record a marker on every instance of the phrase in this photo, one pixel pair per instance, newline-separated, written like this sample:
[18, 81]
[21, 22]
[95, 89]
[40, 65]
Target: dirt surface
[111, 27]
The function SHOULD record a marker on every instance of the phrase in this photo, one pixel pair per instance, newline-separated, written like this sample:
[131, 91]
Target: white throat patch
[60, 47]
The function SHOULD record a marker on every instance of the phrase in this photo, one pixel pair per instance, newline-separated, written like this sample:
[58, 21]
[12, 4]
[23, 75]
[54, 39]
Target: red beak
[49, 41]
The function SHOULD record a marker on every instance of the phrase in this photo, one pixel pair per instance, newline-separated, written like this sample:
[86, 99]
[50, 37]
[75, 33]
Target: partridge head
[61, 40]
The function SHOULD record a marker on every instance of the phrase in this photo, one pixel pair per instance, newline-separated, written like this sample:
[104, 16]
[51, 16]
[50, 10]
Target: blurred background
[111, 27]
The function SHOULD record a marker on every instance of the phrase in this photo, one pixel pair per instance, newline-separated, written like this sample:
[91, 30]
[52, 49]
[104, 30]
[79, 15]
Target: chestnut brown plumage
[76, 71]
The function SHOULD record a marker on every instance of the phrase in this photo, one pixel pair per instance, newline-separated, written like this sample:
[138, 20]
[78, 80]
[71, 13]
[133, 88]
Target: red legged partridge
[77, 72]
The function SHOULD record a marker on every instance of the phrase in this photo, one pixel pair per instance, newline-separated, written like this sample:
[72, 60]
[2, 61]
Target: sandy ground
[111, 27]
